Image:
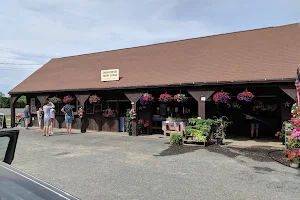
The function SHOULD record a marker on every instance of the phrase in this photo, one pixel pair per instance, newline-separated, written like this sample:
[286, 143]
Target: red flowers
[221, 97]
[68, 99]
[277, 134]
[245, 96]
[165, 98]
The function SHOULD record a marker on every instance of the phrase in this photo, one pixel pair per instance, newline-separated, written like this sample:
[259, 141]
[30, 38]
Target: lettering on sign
[110, 75]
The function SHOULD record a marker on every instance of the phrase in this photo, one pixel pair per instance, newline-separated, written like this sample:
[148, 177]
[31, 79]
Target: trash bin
[122, 124]
[22, 122]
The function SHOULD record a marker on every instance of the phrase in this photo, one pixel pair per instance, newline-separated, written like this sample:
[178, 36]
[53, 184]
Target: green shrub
[176, 138]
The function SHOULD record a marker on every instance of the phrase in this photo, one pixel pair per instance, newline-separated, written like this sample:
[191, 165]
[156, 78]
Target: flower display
[293, 156]
[132, 114]
[221, 97]
[245, 96]
[94, 98]
[165, 98]
[180, 98]
[146, 99]
[110, 113]
[68, 99]
[54, 99]
[80, 112]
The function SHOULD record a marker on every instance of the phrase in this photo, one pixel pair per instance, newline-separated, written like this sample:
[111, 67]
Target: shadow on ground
[256, 153]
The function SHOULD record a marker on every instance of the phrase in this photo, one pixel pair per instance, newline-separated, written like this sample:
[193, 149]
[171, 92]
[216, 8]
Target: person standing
[69, 116]
[40, 116]
[52, 118]
[46, 108]
[27, 116]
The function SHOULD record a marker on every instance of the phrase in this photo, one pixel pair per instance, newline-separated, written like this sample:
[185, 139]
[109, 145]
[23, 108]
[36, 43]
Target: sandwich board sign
[110, 75]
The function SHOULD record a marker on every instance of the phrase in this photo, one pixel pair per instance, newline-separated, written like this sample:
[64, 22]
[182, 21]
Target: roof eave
[163, 85]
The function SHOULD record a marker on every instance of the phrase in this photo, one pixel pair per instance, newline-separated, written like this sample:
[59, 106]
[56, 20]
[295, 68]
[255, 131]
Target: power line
[17, 69]
[18, 64]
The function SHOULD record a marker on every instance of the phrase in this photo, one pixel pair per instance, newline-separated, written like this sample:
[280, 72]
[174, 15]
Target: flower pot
[294, 165]
[219, 141]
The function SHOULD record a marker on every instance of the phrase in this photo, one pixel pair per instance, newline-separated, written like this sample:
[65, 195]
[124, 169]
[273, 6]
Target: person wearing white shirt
[52, 118]
[46, 108]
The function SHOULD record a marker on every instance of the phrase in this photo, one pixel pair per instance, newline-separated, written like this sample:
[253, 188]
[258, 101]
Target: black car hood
[15, 184]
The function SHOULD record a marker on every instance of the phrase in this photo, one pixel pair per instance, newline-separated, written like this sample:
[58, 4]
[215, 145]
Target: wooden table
[173, 127]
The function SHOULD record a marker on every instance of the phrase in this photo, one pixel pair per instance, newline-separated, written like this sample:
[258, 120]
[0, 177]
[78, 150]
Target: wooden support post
[82, 99]
[201, 96]
[291, 92]
[13, 99]
[134, 97]
[42, 99]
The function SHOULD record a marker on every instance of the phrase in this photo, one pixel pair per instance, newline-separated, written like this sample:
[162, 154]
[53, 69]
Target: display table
[169, 127]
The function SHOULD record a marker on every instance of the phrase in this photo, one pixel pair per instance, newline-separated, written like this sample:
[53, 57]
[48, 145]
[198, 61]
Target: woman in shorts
[69, 116]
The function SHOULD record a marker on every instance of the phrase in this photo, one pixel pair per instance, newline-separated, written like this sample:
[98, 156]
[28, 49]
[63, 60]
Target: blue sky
[34, 31]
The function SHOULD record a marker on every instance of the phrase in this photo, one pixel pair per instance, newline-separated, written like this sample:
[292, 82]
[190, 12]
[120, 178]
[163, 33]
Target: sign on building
[110, 75]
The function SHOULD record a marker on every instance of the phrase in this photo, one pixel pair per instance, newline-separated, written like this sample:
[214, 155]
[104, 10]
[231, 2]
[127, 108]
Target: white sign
[203, 98]
[110, 75]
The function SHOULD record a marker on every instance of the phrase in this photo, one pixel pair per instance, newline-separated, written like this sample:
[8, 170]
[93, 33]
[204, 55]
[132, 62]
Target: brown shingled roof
[269, 53]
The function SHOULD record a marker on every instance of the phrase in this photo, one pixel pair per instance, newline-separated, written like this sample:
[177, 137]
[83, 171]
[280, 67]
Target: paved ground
[115, 166]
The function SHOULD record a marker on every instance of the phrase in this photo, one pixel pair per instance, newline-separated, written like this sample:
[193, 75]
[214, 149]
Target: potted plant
[146, 99]
[181, 98]
[294, 158]
[165, 98]
[109, 113]
[281, 134]
[128, 122]
[245, 96]
[199, 129]
[220, 128]
[221, 97]
[68, 99]
[94, 99]
[176, 139]
[54, 99]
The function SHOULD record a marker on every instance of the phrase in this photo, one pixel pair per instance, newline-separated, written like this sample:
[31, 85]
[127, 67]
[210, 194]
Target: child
[52, 118]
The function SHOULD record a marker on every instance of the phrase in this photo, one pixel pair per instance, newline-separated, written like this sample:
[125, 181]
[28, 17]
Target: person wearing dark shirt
[254, 124]
[68, 110]
[27, 116]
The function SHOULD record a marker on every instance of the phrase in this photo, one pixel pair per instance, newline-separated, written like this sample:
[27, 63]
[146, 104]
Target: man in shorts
[69, 116]
[27, 116]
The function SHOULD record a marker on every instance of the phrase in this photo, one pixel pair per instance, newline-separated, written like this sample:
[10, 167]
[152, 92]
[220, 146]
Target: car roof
[35, 189]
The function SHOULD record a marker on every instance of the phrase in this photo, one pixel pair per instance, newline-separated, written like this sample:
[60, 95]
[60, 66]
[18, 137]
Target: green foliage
[200, 128]
[176, 138]
[220, 126]
[128, 122]
[21, 102]
[4, 102]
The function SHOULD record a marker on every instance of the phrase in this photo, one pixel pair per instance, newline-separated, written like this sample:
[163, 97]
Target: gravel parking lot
[108, 166]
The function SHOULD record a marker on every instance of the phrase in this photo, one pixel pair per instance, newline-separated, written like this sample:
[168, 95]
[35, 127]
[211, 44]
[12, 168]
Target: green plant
[128, 121]
[199, 128]
[176, 138]
[220, 125]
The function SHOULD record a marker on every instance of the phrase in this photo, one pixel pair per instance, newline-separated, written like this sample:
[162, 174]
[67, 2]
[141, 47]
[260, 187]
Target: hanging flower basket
[165, 98]
[180, 98]
[110, 113]
[68, 99]
[146, 99]
[245, 96]
[221, 97]
[54, 99]
[94, 99]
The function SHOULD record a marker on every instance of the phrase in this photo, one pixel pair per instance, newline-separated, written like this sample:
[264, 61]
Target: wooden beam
[197, 95]
[13, 99]
[82, 98]
[42, 99]
[291, 92]
[134, 96]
